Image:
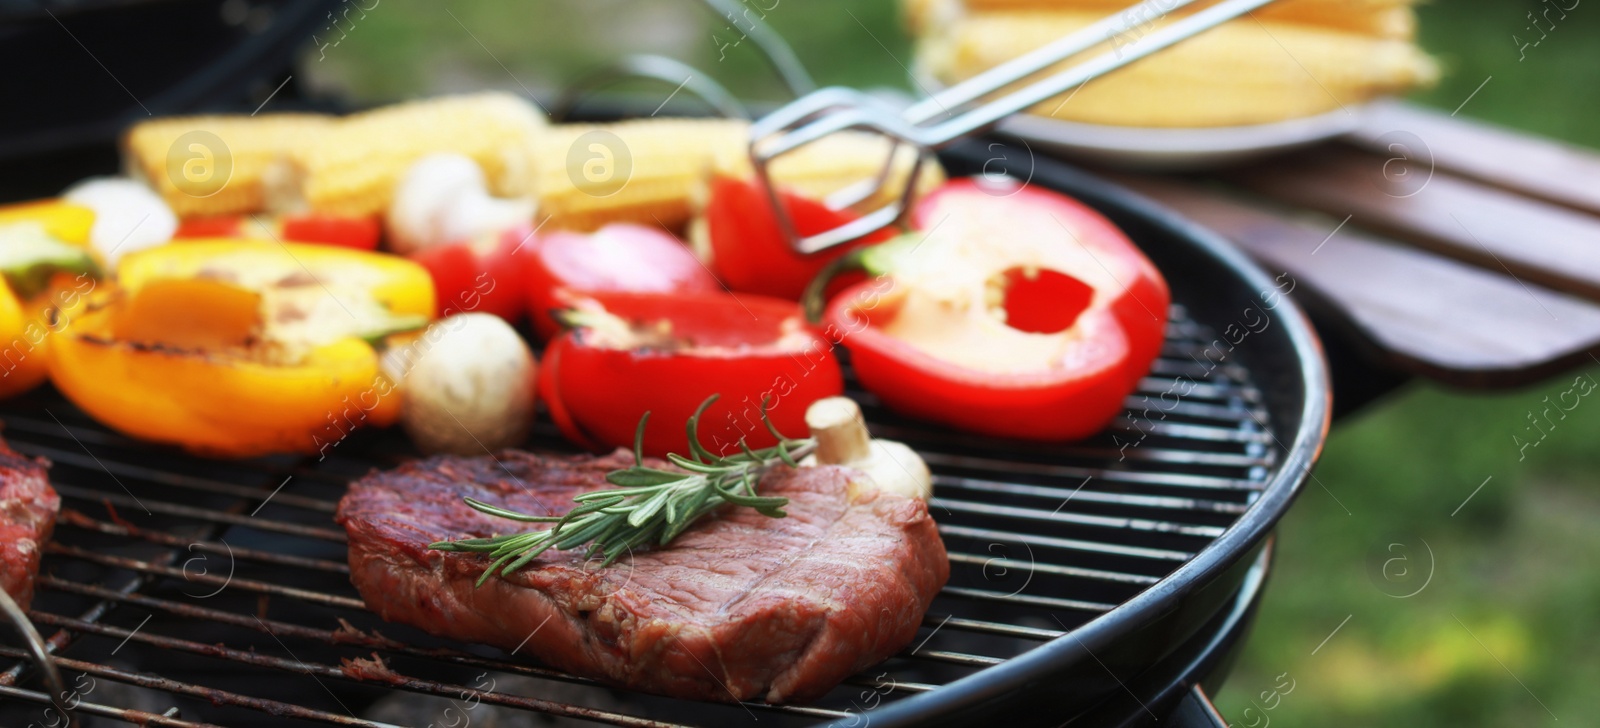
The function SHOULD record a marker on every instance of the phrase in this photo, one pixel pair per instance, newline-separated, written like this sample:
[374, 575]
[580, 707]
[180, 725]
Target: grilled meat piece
[28, 508]
[739, 607]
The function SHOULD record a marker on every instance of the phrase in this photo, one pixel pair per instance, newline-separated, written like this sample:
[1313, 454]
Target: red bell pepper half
[746, 248]
[1021, 314]
[617, 258]
[360, 233]
[631, 353]
[489, 274]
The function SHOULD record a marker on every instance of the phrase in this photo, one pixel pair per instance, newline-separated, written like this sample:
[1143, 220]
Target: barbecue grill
[1093, 582]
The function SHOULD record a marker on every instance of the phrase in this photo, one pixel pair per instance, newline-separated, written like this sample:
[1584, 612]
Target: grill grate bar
[1201, 410]
[173, 509]
[353, 637]
[1090, 496]
[1221, 391]
[1066, 543]
[1084, 452]
[1057, 570]
[1031, 514]
[128, 715]
[1177, 480]
[1184, 431]
[263, 587]
[153, 475]
[345, 636]
[1029, 599]
[77, 519]
[996, 628]
[315, 669]
[224, 697]
[958, 658]
[60, 639]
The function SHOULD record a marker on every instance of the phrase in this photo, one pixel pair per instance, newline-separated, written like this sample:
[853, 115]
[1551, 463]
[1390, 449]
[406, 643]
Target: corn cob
[250, 144]
[1239, 73]
[353, 167]
[1379, 18]
[648, 171]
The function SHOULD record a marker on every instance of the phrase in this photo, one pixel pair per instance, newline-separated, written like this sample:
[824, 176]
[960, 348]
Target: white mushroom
[467, 383]
[842, 439]
[444, 198]
[128, 215]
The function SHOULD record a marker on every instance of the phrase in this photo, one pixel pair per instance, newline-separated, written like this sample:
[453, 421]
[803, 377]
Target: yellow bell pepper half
[27, 327]
[63, 220]
[241, 349]
[43, 278]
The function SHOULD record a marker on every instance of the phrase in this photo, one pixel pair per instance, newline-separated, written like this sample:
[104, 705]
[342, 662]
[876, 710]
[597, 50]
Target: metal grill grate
[185, 592]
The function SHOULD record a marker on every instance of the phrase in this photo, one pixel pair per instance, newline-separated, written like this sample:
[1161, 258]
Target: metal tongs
[830, 110]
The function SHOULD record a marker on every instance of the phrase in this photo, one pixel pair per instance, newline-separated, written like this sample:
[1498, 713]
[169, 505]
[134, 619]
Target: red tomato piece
[619, 257]
[488, 274]
[748, 252]
[361, 233]
[221, 226]
[744, 349]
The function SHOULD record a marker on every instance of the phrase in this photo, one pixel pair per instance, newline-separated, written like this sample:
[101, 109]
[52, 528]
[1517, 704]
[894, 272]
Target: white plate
[1176, 148]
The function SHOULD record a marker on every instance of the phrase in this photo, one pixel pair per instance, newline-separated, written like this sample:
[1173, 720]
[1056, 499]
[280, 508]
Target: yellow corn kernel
[650, 171]
[213, 165]
[1243, 72]
[352, 169]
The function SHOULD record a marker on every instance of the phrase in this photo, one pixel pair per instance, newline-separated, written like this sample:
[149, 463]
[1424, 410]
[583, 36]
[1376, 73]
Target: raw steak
[28, 508]
[739, 607]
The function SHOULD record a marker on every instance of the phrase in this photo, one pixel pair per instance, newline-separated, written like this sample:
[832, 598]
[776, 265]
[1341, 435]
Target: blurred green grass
[1506, 631]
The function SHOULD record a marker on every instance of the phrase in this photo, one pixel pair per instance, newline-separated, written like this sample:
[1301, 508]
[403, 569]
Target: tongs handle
[830, 110]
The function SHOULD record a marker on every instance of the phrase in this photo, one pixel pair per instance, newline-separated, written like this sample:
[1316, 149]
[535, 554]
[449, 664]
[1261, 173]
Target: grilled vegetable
[469, 383]
[442, 199]
[666, 353]
[1380, 18]
[44, 282]
[564, 266]
[1238, 73]
[61, 220]
[238, 349]
[650, 171]
[352, 168]
[181, 157]
[641, 171]
[360, 233]
[1025, 314]
[739, 234]
[488, 273]
[842, 439]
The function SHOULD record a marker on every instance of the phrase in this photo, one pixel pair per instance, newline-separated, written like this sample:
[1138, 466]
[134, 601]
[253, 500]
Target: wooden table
[1422, 245]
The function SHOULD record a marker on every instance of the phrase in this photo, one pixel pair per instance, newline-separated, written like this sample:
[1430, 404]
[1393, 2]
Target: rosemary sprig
[648, 505]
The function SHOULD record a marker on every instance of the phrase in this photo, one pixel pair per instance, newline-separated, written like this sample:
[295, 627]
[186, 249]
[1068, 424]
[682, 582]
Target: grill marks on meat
[28, 507]
[741, 606]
